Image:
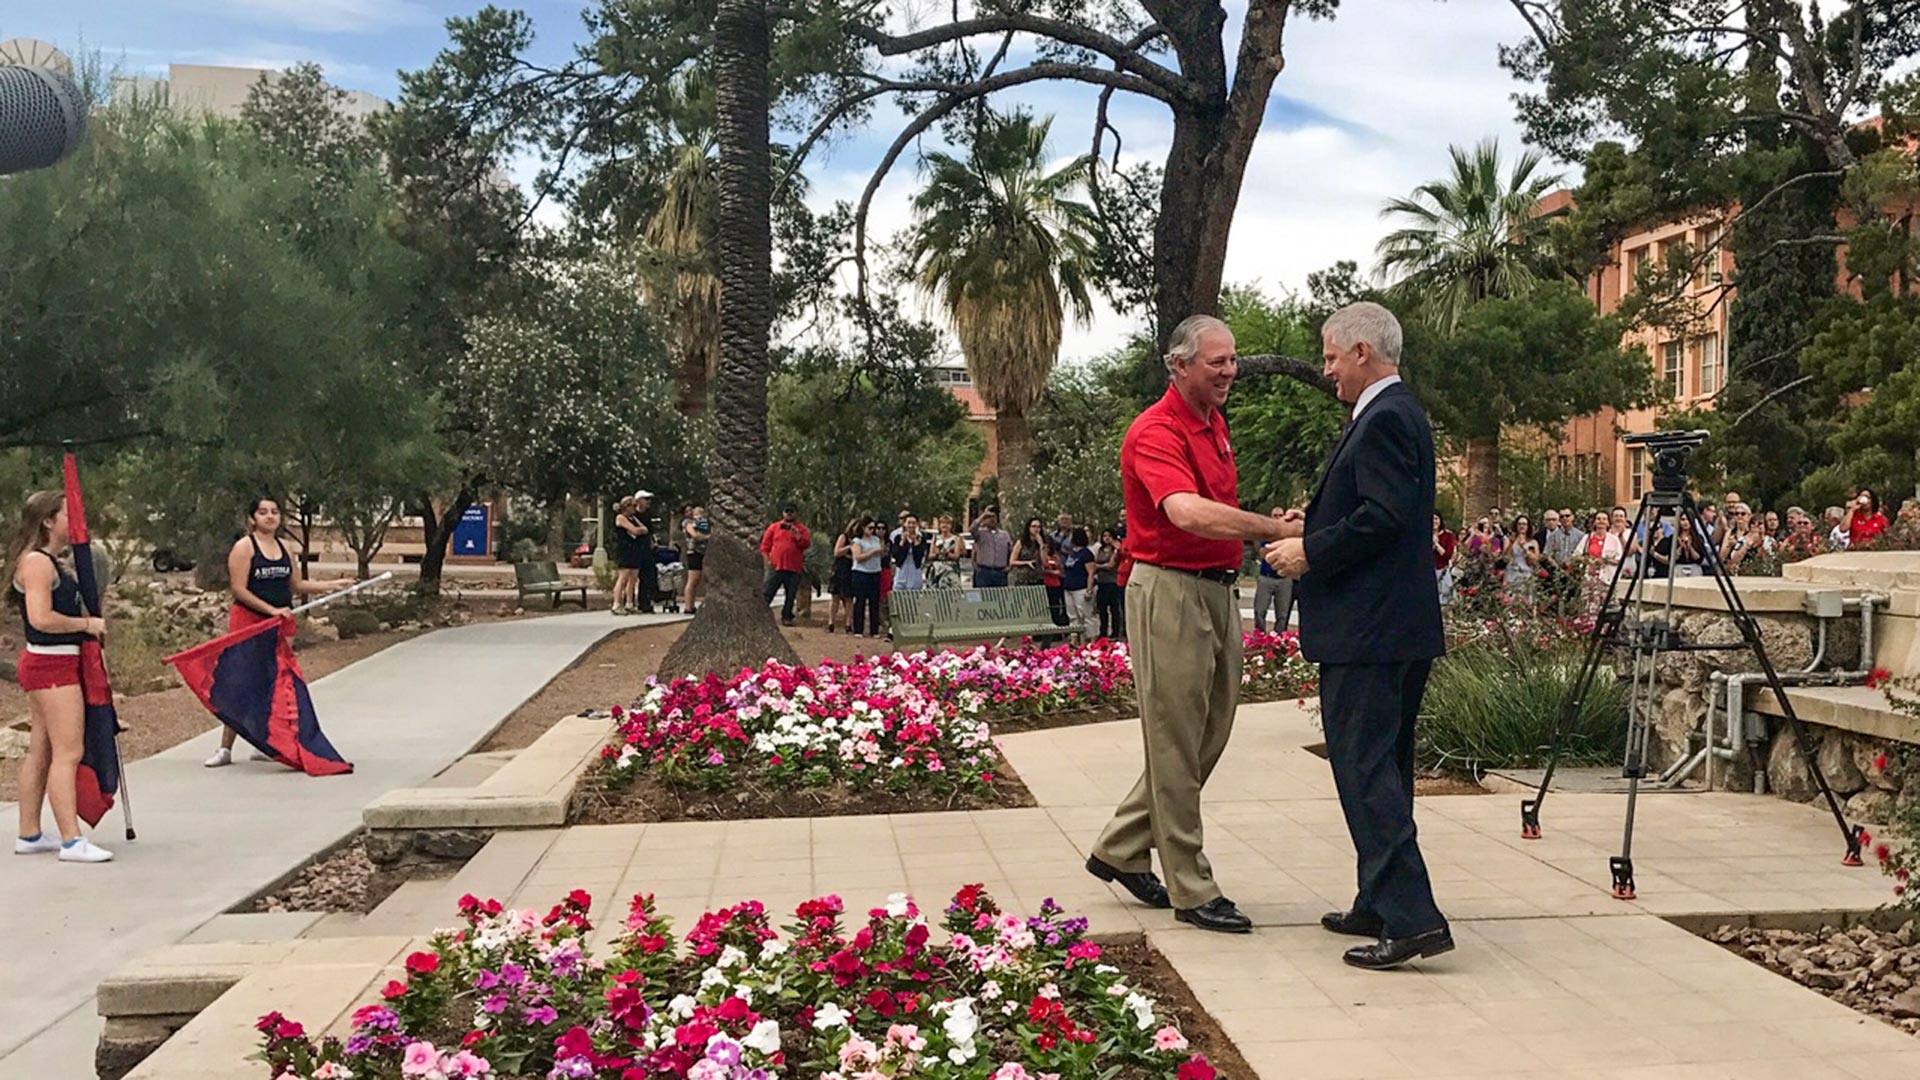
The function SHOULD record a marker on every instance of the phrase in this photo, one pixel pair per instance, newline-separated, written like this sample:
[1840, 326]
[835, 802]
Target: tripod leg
[1606, 621]
[1750, 630]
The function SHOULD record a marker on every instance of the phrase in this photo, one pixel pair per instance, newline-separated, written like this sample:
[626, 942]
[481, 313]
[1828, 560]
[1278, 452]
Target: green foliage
[1534, 360]
[1528, 483]
[1873, 345]
[846, 439]
[1282, 430]
[1485, 709]
[1472, 235]
[573, 391]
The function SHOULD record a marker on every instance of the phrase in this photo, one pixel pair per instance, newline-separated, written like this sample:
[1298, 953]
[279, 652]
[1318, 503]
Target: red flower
[288, 1029]
[580, 898]
[574, 1042]
[1880, 762]
[269, 1022]
[472, 1037]
[1882, 852]
[1195, 1068]
[1878, 678]
[423, 963]
[986, 778]
[394, 988]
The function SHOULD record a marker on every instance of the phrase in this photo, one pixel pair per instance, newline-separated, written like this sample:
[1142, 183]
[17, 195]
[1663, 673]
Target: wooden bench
[543, 579]
[932, 615]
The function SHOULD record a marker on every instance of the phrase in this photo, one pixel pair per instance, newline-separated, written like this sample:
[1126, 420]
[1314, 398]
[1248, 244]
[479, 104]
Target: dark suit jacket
[1369, 595]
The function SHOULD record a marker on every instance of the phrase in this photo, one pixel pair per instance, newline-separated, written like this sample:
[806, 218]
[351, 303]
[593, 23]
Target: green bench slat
[952, 614]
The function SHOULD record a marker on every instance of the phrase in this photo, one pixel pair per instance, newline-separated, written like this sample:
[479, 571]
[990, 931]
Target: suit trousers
[1184, 636]
[1369, 711]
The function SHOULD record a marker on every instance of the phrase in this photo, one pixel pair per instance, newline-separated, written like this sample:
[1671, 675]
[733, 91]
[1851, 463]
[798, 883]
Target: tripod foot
[1622, 868]
[1529, 819]
[1856, 839]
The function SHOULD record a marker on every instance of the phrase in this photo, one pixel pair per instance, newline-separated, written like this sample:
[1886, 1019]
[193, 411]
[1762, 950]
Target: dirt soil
[1175, 1002]
[164, 719]
[649, 799]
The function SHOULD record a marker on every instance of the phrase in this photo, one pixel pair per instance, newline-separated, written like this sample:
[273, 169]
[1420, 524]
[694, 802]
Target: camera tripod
[1646, 638]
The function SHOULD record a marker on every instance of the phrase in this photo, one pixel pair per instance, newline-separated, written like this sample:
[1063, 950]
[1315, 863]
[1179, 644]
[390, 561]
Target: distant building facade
[221, 91]
[953, 375]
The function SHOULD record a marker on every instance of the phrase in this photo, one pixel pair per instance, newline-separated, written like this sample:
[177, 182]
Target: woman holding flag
[48, 597]
[264, 586]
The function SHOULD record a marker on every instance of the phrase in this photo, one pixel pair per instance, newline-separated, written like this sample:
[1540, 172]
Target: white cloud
[323, 16]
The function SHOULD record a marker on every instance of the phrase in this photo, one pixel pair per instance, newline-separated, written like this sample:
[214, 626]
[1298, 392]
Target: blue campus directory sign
[473, 536]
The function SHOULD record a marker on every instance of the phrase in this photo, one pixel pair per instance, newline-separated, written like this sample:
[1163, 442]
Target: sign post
[473, 534]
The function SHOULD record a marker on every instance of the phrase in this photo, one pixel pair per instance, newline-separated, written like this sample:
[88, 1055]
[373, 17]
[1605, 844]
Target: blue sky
[1365, 109]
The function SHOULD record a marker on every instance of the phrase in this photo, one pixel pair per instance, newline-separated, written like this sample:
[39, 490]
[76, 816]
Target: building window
[1710, 367]
[1708, 256]
[952, 377]
[1637, 472]
[1676, 370]
[1636, 262]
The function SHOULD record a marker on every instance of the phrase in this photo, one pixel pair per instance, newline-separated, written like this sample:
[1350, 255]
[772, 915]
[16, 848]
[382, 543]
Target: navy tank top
[66, 601]
[270, 579]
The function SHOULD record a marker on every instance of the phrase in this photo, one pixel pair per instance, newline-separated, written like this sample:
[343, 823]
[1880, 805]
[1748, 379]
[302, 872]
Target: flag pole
[348, 591]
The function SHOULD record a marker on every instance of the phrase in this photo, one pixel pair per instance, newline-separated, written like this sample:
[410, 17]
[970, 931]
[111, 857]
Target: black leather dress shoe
[1359, 924]
[1217, 914]
[1392, 952]
[1144, 885]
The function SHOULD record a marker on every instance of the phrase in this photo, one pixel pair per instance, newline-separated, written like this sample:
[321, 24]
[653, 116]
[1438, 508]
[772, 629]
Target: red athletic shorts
[39, 671]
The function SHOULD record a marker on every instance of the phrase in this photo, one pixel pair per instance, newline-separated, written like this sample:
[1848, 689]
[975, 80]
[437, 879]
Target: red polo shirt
[1171, 449]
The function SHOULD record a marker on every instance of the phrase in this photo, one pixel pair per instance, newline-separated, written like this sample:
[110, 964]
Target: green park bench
[933, 615]
[543, 579]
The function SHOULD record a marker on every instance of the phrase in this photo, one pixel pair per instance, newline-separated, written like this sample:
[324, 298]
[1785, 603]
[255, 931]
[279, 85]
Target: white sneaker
[222, 756]
[84, 850]
[41, 845]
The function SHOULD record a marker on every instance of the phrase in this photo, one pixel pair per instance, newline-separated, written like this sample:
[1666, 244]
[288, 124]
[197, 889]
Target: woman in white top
[869, 558]
[53, 617]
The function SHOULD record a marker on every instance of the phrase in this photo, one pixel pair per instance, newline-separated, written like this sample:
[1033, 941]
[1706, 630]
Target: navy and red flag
[98, 777]
[251, 681]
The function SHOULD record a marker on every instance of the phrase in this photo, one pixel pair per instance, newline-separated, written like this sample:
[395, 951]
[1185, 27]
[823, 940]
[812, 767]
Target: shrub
[1487, 709]
[1899, 858]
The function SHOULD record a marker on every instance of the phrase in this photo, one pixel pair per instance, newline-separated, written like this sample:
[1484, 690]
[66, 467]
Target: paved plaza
[1553, 977]
[209, 839]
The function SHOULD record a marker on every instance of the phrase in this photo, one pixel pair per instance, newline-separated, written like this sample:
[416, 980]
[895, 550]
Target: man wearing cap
[1183, 625]
[783, 547]
[643, 544]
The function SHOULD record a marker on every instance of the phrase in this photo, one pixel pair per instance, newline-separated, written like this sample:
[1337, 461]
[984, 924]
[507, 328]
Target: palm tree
[1469, 236]
[1465, 238]
[680, 232]
[1008, 253]
[735, 628]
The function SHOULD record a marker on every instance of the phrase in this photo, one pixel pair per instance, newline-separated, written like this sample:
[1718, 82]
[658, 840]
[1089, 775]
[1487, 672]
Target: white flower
[628, 755]
[681, 1007]
[743, 992]
[712, 977]
[731, 956]
[897, 904]
[765, 1037]
[772, 947]
[991, 991]
[828, 1016]
[1142, 1010]
[961, 1024]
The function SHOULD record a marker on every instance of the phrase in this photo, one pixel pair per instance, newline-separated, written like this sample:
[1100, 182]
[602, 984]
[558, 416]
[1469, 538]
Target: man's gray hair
[1185, 343]
[1369, 322]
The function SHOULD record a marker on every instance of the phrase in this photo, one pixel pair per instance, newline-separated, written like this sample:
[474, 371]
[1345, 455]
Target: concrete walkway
[209, 838]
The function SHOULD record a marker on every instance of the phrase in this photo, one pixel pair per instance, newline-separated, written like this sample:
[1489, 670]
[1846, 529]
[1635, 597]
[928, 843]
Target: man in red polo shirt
[1185, 532]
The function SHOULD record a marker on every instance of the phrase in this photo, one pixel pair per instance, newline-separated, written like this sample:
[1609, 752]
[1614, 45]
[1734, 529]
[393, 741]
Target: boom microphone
[43, 117]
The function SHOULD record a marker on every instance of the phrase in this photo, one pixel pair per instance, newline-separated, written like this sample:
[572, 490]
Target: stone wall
[1847, 759]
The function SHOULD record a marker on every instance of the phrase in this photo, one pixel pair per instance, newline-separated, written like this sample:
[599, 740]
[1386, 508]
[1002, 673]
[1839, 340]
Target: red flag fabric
[97, 779]
[251, 681]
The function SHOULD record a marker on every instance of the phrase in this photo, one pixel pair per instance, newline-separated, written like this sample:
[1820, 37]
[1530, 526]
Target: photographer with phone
[1863, 520]
[783, 548]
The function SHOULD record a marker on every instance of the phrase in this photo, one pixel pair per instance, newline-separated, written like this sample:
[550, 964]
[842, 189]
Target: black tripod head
[1668, 453]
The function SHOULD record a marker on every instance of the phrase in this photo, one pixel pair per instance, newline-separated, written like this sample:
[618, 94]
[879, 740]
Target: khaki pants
[1184, 633]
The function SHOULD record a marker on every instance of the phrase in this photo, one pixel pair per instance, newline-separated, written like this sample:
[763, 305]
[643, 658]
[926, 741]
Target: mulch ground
[649, 799]
[1175, 1002]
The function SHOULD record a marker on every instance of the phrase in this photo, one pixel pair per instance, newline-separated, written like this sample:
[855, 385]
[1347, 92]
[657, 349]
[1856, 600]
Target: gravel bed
[1876, 972]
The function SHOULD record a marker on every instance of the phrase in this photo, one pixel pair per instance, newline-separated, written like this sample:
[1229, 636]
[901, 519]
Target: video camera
[1668, 453]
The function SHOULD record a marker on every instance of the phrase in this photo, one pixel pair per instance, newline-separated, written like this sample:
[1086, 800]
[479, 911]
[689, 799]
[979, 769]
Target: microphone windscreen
[43, 117]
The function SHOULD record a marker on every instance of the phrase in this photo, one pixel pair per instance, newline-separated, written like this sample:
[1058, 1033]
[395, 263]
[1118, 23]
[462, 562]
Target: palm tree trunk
[1483, 475]
[735, 628]
[1016, 467]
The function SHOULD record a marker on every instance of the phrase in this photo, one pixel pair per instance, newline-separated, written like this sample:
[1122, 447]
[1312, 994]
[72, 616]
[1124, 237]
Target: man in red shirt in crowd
[1185, 534]
[783, 547]
[1444, 543]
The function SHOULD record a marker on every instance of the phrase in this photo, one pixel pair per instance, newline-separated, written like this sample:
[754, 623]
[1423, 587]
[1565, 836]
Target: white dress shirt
[1371, 392]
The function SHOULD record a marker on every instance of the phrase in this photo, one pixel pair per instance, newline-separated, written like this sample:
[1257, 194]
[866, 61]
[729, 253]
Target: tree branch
[1125, 56]
[1771, 394]
[1303, 371]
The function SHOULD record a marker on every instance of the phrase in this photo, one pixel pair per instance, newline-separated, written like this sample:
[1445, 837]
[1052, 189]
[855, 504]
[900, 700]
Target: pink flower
[1012, 1070]
[420, 1059]
[1168, 1039]
[466, 1064]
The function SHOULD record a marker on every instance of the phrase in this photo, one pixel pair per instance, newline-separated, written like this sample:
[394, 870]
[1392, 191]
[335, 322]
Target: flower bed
[513, 994]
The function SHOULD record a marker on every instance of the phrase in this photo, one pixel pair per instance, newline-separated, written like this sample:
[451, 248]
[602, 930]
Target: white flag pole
[349, 591]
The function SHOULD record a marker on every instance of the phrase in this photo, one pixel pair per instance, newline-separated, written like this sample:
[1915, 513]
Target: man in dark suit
[1370, 617]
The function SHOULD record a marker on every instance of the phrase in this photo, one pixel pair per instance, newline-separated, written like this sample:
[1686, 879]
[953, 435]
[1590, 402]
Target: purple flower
[723, 1051]
[540, 1016]
[573, 1068]
[512, 974]
[486, 980]
[359, 1044]
[495, 1004]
